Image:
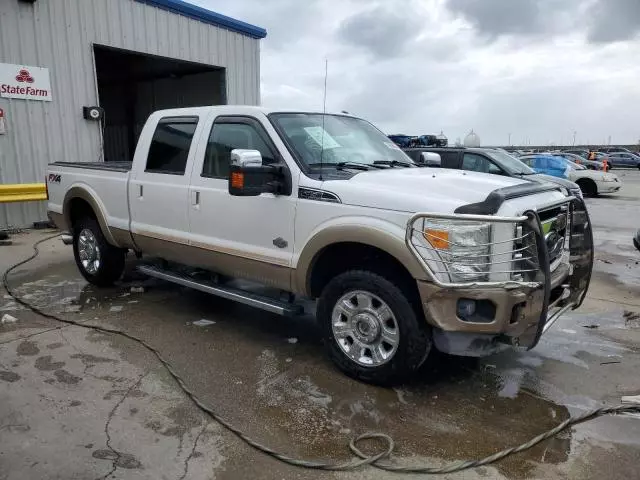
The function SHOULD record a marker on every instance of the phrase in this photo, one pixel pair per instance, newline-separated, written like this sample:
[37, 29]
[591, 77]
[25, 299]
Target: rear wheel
[99, 262]
[371, 329]
[588, 187]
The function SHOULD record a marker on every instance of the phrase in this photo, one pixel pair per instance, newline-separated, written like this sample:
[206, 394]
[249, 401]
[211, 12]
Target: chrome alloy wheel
[88, 251]
[365, 328]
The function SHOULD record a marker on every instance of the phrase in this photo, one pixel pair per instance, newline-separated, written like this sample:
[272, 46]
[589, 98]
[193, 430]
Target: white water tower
[472, 140]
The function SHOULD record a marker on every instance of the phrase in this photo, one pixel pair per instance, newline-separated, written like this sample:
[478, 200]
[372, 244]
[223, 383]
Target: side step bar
[248, 298]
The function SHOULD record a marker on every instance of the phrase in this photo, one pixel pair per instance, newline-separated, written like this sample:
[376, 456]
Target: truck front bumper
[515, 313]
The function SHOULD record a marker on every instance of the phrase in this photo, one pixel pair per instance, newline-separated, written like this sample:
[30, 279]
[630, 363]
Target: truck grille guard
[533, 259]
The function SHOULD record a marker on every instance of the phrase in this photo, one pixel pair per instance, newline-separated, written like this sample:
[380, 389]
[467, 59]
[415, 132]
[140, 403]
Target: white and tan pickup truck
[400, 259]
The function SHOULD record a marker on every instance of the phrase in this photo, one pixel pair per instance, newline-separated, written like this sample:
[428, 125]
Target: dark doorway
[132, 85]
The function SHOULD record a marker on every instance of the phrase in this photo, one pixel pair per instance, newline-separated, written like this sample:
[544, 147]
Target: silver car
[623, 159]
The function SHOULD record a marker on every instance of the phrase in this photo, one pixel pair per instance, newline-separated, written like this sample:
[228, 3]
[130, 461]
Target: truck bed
[109, 166]
[107, 183]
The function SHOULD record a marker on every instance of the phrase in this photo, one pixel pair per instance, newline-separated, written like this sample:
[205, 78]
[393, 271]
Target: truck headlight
[457, 251]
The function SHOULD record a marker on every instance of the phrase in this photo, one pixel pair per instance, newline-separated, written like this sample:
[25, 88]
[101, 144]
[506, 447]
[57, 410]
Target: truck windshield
[336, 141]
[509, 163]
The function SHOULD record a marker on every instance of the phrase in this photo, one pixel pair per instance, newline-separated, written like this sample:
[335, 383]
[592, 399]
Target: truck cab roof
[251, 110]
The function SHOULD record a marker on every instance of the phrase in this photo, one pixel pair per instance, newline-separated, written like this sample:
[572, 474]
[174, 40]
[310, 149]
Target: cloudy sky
[536, 69]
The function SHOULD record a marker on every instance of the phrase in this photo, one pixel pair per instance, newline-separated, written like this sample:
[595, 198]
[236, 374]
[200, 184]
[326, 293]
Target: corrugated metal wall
[59, 35]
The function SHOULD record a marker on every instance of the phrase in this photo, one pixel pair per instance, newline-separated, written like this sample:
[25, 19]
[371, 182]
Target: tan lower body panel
[276, 276]
[122, 237]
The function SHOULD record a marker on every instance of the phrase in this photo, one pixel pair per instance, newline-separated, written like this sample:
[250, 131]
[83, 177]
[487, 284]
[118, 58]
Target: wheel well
[341, 257]
[79, 208]
[586, 182]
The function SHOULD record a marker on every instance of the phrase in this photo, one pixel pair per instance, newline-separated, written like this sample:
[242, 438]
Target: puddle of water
[456, 411]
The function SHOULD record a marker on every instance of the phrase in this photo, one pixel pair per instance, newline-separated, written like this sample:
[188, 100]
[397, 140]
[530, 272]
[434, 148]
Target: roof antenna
[324, 112]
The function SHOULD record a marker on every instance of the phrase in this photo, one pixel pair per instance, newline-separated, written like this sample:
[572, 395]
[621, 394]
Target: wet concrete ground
[75, 403]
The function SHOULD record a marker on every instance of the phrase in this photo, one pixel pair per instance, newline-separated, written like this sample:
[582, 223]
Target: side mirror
[431, 159]
[248, 177]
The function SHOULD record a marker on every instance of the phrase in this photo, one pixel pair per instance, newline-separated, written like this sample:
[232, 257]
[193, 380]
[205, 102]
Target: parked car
[419, 140]
[624, 159]
[615, 150]
[575, 158]
[591, 182]
[489, 160]
[400, 259]
[401, 140]
[636, 240]
[579, 151]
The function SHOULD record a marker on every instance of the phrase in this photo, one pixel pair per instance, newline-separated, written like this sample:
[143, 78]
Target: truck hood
[417, 189]
[542, 178]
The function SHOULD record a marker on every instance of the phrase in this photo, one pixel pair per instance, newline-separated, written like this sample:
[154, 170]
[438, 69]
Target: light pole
[509, 139]
[574, 138]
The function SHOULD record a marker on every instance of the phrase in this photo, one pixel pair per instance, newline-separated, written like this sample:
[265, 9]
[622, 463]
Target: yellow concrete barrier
[23, 192]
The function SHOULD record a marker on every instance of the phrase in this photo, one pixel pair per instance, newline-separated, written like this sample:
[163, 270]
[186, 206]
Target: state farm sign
[27, 83]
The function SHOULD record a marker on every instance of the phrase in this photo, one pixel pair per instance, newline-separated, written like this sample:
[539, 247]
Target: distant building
[78, 79]
[442, 139]
[472, 139]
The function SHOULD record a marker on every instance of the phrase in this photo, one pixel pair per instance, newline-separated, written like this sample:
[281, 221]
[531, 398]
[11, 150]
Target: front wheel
[588, 187]
[99, 262]
[370, 328]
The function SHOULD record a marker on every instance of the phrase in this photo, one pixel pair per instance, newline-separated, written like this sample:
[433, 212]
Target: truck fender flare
[387, 237]
[85, 193]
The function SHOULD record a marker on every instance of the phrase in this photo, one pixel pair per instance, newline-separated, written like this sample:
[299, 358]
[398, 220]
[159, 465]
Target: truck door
[159, 186]
[246, 237]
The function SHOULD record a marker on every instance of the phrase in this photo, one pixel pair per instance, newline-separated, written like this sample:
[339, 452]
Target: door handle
[195, 198]
[140, 191]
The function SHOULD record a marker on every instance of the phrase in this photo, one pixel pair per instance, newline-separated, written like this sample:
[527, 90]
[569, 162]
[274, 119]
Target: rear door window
[450, 159]
[170, 145]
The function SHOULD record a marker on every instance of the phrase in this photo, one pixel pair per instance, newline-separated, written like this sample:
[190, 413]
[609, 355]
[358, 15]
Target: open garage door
[131, 85]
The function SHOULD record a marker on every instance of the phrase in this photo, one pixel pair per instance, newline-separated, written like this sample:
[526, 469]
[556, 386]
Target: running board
[252, 299]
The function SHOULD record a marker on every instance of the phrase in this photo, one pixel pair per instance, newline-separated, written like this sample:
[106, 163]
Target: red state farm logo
[24, 76]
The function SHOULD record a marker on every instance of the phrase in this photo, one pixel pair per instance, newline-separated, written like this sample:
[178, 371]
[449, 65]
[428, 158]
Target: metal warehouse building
[59, 58]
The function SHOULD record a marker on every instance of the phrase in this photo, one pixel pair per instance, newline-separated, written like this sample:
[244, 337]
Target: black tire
[112, 259]
[588, 187]
[414, 342]
[609, 166]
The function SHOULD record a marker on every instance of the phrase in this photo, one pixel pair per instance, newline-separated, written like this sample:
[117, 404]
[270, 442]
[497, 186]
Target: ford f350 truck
[399, 259]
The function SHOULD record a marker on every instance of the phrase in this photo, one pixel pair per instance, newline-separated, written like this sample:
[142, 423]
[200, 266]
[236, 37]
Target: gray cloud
[417, 67]
[613, 20]
[500, 17]
[286, 21]
[383, 32]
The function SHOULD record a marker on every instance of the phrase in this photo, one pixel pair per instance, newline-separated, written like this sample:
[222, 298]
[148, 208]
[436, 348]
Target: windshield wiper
[343, 165]
[393, 163]
[358, 165]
